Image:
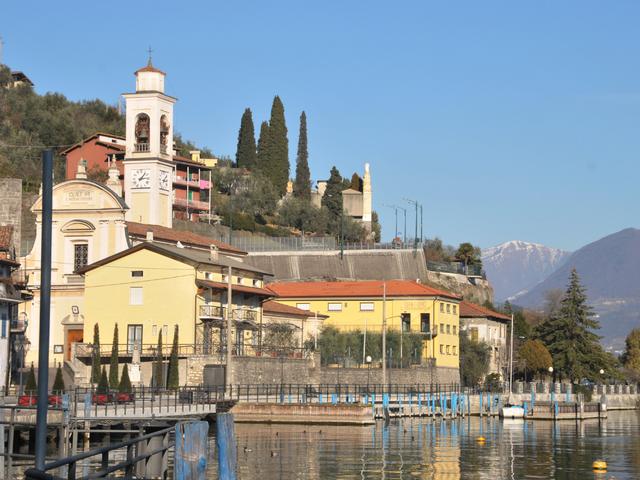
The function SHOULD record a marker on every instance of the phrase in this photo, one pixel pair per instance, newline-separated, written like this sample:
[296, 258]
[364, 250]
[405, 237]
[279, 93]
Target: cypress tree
[278, 148]
[246, 156]
[95, 355]
[302, 185]
[263, 163]
[113, 361]
[159, 368]
[125, 383]
[569, 336]
[31, 386]
[58, 382]
[173, 377]
[103, 383]
[356, 182]
[332, 198]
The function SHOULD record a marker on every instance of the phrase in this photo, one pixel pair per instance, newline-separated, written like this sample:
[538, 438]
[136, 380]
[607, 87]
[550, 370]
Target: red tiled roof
[174, 236]
[394, 288]
[86, 140]
[6, 237]
[272, 306]
[150, 68]
[468, 309]
[262, 292]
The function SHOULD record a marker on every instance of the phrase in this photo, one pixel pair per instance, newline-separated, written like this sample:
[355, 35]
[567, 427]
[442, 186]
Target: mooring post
[226, 444]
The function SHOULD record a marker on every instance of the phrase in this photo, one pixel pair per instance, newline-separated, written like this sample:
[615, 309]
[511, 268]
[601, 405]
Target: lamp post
[368, 361]
[551, 373]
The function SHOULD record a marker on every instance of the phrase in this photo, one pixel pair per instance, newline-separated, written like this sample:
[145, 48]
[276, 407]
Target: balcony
[191, 204]
[140, 147]
[19, 325]
[163, 149]
[212, 311]
[245, 315]
[177, 180]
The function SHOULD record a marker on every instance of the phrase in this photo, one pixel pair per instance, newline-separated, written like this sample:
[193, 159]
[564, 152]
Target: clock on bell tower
[148, 162]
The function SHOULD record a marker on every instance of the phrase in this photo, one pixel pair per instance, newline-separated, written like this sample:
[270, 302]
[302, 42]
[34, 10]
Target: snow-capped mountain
[515, 267]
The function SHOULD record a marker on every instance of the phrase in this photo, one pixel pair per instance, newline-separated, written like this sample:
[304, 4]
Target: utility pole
[421, 224]
[384, 335]
[395, 210]
[229, 311]
[415, 238]
[404, 242]
[45, 310]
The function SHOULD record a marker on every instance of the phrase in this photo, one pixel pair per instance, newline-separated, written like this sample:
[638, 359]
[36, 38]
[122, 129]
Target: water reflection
[438, 450]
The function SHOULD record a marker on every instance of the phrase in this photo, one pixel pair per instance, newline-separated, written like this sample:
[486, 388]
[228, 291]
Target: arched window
[142, 133]
[164, 133]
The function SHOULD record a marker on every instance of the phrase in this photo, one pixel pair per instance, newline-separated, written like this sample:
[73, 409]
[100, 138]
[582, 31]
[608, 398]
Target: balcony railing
[141, 147]
[191, 204]
[212, 311]
[183, 181]
[246, 315]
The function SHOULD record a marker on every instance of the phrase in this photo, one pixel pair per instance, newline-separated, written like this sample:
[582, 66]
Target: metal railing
[456, 268]
[246, 315]
[136, 449]
[212, 311]
[193, 204]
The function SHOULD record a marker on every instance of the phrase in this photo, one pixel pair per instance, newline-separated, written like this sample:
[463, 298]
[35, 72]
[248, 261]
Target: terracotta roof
[272, 306]
[95, 135]
[149, 68]
[174, 236]
[6, 237]
[262, 292]
[394, 288]
[470, 310]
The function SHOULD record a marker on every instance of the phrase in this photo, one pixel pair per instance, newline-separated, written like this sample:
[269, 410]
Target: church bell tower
[148, 162]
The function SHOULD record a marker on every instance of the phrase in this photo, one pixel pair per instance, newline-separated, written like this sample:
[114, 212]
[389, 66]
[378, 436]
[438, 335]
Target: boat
[509, 410]
[512, 411]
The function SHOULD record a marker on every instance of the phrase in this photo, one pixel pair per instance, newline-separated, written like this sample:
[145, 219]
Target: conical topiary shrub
[58, 383]
[173, 377]
[113, 361]
[31, 386]
[125, 383]
[103, 384]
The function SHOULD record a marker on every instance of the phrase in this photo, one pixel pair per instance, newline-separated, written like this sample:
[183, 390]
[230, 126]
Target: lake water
[427, 449]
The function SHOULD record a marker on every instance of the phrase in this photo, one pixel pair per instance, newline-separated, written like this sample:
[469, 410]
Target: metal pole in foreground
[45, 308]
[229, 376]
[384, 336]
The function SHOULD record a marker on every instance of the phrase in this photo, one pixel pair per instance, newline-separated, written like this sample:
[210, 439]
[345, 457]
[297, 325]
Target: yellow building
[150, 288]
[359, 306]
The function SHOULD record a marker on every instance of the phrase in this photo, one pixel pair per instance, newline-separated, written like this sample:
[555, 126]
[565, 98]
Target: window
[303, 306]
[473, 333]
[455, 309]
[454, 329]
[425, 323]
[405, 320]
[137, 273]
[448, 350]
[165, 331]
[442, 308]
[442, 328]
[225, 278]
[441, 349]
[154, 331]
[448, 329]
[207, 275]
[134, 337]
[80, 255]
[4, 326]
[334, 307]
[454, 350]
[366, 306]
[448, 308]
[135, 295]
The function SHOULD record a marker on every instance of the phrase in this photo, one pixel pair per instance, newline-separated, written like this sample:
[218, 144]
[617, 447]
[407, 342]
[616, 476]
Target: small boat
[512, 411]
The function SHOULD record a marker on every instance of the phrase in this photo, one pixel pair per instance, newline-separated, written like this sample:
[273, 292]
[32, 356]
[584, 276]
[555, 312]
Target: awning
[261, 292]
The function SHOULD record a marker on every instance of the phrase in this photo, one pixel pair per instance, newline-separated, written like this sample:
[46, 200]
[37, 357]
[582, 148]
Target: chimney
[213, 252]
[81, 173]
[149, 235]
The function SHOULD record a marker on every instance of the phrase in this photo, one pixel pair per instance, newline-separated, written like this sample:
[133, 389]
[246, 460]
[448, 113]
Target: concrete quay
[305, 413]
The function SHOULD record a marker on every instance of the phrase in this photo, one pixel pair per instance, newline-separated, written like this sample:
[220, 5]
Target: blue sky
[506, 120]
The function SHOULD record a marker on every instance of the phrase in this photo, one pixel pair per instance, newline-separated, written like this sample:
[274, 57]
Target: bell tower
[148, 162]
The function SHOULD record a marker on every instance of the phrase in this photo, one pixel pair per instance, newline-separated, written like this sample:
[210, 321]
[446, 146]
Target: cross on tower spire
[150, 51]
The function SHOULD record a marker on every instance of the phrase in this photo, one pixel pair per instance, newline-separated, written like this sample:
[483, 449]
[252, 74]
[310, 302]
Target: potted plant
[29, 398]
[101, 396]
[124, 394]
[55, 399]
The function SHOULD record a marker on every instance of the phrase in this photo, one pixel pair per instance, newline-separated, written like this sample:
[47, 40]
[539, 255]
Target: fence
[457, 268]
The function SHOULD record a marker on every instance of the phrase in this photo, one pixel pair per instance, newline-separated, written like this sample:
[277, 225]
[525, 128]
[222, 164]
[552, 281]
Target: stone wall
[395, 376]
[11, 207]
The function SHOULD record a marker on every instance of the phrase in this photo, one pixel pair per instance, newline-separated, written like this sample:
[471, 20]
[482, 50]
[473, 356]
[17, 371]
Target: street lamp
[368, 360]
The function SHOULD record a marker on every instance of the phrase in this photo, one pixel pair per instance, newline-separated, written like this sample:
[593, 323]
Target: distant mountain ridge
[610, 270]
[516, 266]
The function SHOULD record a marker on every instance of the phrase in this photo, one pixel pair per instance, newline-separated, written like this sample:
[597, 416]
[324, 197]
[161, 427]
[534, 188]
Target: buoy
[600, 465]
[481, 439]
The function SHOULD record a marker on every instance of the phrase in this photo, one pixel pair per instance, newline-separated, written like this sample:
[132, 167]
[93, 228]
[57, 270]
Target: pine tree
[113, 361]
[278, 148]
[159, 367]
[173, 376]
[569, 336]
[103, 383]
[263, 161]
[31, 387]
[125, 383]
[332, 198]
[95, 356]
[302, 185]
[58, 382]
[246, 156]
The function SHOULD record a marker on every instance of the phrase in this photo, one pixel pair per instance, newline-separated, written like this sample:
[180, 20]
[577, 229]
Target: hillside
[516, 266]
[609, 268]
